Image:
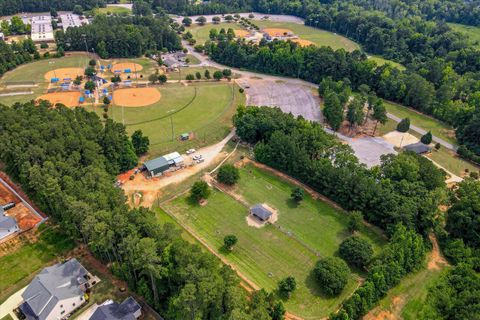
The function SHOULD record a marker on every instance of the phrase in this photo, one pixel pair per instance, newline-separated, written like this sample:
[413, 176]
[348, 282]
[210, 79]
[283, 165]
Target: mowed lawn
[292, 246]
[438, 129]
[473, 33]
[25, 262]
[318, 36]
[202, 108]
[35, 72]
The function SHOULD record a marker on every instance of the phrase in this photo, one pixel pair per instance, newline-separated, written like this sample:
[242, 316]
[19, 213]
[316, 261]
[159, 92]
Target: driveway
[11, 303]
[150, 187]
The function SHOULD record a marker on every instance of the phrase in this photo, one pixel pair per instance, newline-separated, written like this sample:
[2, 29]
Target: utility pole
[171, 124]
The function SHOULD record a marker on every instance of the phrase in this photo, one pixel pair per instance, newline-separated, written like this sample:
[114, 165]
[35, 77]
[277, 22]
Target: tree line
[401, 196]
[67, 160]
[455, 99]
[16, 53]
[11, 7]
[120, 36]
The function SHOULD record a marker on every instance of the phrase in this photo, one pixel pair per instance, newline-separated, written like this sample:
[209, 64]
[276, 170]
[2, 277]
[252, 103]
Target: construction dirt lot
[295, 98]
[25, 217]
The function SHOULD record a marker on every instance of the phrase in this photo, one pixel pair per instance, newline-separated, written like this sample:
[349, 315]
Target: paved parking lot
[369, 149]
[294, 98]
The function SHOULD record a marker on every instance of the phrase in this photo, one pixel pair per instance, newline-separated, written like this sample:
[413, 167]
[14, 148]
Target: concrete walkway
[11, 303]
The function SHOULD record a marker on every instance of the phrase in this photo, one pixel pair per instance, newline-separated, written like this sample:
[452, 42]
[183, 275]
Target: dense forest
[17, 53]
[10, 7]
[401, 196]
[66, 160]
[439, 91]
[115, 36]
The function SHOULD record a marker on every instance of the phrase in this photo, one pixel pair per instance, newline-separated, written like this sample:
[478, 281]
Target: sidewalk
[11, 303]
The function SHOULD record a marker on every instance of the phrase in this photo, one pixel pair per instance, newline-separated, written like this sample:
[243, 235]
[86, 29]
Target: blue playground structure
[81, 100]
[128, 71]
[54, 80]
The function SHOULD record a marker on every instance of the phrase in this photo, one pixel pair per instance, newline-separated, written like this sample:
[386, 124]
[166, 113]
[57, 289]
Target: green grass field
[25, 262]
[112, 10]
[381, 61]
[182, 73]
[473, 33]
[290, 247]
[439, 129]
[35, 72]
[405, 300]
[202, 108]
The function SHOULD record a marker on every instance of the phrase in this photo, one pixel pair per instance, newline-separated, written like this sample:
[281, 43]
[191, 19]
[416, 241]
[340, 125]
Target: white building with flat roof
[42, 30]
[72, 20]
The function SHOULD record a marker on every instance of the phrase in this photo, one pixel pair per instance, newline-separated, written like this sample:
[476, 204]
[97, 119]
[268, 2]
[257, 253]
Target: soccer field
[291, 246]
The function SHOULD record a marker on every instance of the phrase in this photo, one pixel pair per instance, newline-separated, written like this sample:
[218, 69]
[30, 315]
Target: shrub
[241, 90]
[297, 194]
[356, 251]
[438, 146]
[286, 286]
[332, 275]
[404, 125]
[218, 75]
[426, 138]
[229, 241]
[190, 77]
[44, 45]
[228, 174]
[355, 221]
[199, 191]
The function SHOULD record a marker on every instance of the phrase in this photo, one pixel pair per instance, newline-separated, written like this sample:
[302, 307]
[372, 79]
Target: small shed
[418, 148]
[156, 166]
[184, 136]
[261, 212]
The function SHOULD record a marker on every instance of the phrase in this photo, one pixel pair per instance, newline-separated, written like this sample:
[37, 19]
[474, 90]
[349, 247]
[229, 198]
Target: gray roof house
[111, 310]
[260, 212]
[156, 166]
[8, 225]
[56, 291]
[418, 148]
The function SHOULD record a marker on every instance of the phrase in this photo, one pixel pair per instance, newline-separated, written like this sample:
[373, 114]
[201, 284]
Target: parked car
[200, 160]
[190, 151]
[197, 157]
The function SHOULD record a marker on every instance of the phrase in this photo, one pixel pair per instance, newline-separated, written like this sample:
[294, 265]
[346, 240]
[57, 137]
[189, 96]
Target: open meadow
[472, 32]
[291, 246]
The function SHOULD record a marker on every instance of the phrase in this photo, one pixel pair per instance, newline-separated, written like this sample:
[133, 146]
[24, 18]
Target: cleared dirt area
[239, 33]
[134, 67]
[64, 73]
[136, 97]
[303, 42]
[277, 32]
[69, 99]
[400, 139]
[291, 98]
[25, 218]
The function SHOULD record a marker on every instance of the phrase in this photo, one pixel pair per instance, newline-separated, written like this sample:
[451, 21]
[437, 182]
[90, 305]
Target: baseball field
[289, 247]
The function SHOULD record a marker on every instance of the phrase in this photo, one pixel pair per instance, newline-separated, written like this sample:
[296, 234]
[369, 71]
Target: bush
[190, 77]
[286, 286]
[426, 138]
[356, 251]
[228, 174]
[355, 221]
[229, 241]
[241, 90]
[297, 194]
[404, 125]
[218, 75]
[438, 146]
[199, 191]
[44, 45]
[332, 275]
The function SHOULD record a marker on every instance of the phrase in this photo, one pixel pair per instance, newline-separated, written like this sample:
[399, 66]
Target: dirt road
[149, 188]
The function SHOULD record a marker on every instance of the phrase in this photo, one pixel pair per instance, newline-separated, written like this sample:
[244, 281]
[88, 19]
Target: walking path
[11, 303]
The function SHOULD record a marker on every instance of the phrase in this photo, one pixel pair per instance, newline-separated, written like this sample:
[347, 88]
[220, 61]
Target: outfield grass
[201, 33]
[473, 33]
[438, 129]
[35, 71]
[202, 108]
[25, 262]
[193, 60]
[112, 10]
[290, 247]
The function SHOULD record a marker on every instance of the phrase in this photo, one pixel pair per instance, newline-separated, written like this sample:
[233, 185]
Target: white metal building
[42, 30]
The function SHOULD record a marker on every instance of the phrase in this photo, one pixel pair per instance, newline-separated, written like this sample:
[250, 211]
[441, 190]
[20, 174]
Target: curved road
[308, 113]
